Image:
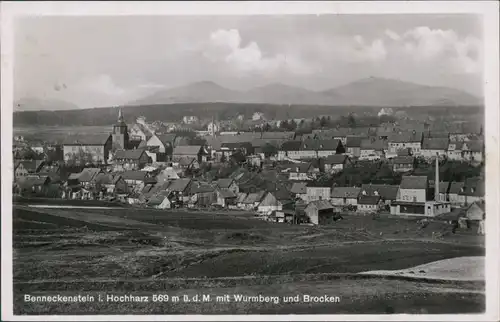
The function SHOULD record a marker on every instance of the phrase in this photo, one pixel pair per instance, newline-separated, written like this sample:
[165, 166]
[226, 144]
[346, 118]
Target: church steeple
[120, 138]
[120, 115]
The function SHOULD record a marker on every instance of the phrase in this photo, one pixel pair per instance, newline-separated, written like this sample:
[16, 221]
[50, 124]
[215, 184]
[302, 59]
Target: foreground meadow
[134, 251]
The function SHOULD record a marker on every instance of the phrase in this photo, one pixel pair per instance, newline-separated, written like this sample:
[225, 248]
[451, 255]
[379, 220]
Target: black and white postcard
[250, 160]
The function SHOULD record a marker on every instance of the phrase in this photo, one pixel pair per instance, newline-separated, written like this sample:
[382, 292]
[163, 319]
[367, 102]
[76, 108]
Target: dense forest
[223, 111]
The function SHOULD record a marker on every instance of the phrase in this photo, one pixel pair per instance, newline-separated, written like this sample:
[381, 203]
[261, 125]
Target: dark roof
[435, 143]
[30, 165]
[354, 141]
[158, 198]
[403, 160]
[320, 205]
[388, 192]
[202, 187]
[345, 192]
[278, 135]
[291, 146]
[186, 161]
[237, 145]
[414, 182]
[168, 138]
[437, 134]
[336, 159]
[104, 178]
[320, 145]
[254, 197]
[456, 187]
[473, 187]
[406, 137]
[88, 174]
[30, 181]
[301, 167]
[374, 144]
[224, 183]
[179, 185]
[134, 175]
[226, 193]
[474, 145]
[368, 200]
[87, 139]
[444, 187]
[129, 154]
[299, 187]
[134, 144]
[187, 150]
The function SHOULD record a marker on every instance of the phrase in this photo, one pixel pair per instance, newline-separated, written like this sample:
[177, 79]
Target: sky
[103, 61]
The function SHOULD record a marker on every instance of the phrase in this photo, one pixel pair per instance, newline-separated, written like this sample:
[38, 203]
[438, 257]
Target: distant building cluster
[283, 176]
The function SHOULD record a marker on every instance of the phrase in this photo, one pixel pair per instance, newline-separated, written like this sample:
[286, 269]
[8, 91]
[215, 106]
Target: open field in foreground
[146, 252]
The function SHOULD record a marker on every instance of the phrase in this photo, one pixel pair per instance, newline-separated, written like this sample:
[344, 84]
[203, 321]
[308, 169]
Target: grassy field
[139, 251]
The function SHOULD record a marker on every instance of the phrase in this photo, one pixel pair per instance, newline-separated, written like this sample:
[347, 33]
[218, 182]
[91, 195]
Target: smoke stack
[436, 180]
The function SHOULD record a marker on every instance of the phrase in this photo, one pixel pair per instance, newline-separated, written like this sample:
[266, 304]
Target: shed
[319, 211]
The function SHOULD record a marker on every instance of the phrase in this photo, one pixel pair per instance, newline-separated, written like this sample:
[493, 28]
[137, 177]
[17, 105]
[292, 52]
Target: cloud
[425, 45]
[392, 35]
[226, 46]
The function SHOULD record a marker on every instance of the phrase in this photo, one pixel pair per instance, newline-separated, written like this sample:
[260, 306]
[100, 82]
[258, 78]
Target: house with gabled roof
[125, 160]
[299, 189]
[336, 163]
[403, 164]
[317, 192]
[253, 200]
[111, 183]
[444, 188]
[388, 193]
[189, 151]
[403, 140]
[412, 200]
[164, 143]
[434, 146]
[372, 149]
[275, 200]
[413, 188]
[476, 211]
[353, 145]
[26, 167]
[160, 200]
[369, 204]
[290, 149]
[135, 178]
[225, 197]
[472, 191]
[473, 151]
[319, 211]
[228, 183]
[453, 193]
[181, 189]
[302, 171]
[33, 185]
[344, 196]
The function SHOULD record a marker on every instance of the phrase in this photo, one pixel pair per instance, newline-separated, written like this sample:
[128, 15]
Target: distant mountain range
[371, 91]
[366, 92]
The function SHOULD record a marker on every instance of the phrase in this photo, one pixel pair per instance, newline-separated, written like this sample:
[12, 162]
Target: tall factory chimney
[436, 179]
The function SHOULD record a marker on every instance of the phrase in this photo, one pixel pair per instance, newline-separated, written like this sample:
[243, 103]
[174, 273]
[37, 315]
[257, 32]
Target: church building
[120, 139]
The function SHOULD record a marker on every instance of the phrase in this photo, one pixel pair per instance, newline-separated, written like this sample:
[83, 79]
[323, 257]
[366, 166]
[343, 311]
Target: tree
[351, 121]
[323, 122]
[292, 125]
[81, 157]
[284, 125]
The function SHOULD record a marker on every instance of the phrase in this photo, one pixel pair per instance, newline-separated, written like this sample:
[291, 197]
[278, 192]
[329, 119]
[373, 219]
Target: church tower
[120, 134]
